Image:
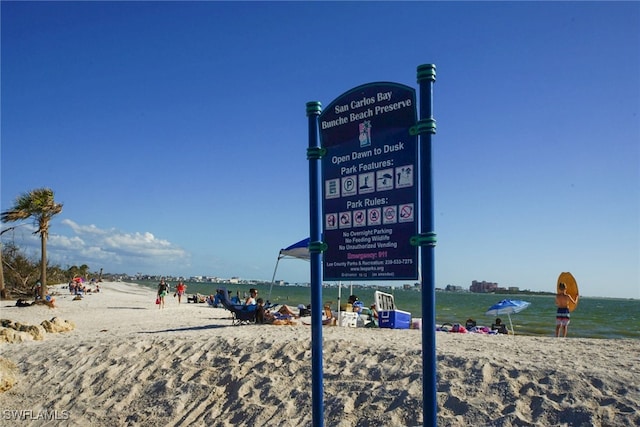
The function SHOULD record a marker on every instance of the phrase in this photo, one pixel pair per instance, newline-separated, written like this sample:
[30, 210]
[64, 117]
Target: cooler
[388, 314]
[394, 319]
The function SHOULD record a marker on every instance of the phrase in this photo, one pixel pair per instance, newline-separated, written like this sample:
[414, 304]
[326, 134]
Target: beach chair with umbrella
[508, 307]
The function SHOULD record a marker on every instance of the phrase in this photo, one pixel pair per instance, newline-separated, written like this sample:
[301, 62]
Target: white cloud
[83, 229]
[114, 250]
[64, 241]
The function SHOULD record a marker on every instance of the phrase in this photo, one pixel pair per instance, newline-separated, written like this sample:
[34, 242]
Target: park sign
[370, 184]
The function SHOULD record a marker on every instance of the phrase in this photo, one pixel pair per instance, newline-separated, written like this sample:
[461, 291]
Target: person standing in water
[562, 314]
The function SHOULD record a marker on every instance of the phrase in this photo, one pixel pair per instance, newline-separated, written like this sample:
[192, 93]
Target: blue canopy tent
[299, 250]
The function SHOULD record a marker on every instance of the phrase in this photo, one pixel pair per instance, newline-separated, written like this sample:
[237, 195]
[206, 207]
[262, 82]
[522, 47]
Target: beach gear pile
[460, 329]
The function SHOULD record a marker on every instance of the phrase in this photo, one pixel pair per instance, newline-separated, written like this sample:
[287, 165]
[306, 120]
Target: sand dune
[128, 363]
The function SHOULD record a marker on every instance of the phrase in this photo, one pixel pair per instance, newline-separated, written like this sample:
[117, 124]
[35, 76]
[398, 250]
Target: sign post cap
[426, 72]
[314, 108]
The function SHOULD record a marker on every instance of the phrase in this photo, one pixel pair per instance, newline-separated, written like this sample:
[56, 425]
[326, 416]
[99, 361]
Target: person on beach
[251, 299]
[356, 304]
[181, 288]
[262, 315]
[562, 314]
[36, 290]
[470, 324]
[499, 327]
[163, 289]
[266, 316]
[50, 301]
[373, 317]
[374, 311]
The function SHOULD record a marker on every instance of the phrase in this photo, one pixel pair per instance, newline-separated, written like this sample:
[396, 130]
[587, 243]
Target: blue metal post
[427, 127]
[314, 154]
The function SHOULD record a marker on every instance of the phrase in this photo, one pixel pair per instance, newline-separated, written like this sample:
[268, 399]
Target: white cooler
[348, 318]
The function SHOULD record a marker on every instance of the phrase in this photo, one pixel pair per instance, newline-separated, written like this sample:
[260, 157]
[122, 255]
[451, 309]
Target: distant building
[483, 287]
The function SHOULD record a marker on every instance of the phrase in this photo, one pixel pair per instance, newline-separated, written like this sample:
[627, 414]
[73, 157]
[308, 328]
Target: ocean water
[593, 318]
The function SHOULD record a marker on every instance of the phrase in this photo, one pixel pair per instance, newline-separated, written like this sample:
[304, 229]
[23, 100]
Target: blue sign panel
[370, 187]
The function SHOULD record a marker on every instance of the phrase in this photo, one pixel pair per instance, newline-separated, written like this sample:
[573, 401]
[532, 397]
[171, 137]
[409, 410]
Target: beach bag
[157, 300]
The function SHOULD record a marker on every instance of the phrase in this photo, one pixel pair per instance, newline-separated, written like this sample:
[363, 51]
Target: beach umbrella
[508, 307]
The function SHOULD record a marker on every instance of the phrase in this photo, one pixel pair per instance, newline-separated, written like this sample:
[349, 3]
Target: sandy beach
[128, 363]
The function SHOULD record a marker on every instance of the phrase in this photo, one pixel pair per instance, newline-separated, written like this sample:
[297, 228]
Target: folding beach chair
[240, 314]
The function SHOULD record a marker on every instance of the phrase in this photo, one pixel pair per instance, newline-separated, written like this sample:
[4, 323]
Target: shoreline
[595, 318]
[129, 362]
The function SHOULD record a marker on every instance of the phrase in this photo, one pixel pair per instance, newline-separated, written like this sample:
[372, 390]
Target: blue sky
[175, 134]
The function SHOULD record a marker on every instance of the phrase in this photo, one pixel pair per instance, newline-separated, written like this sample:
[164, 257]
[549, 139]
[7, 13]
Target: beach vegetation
[75, 271]
[40, 205]
[21, 272]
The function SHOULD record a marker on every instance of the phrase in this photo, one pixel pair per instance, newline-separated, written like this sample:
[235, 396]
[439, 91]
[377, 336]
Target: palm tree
[40, 205]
